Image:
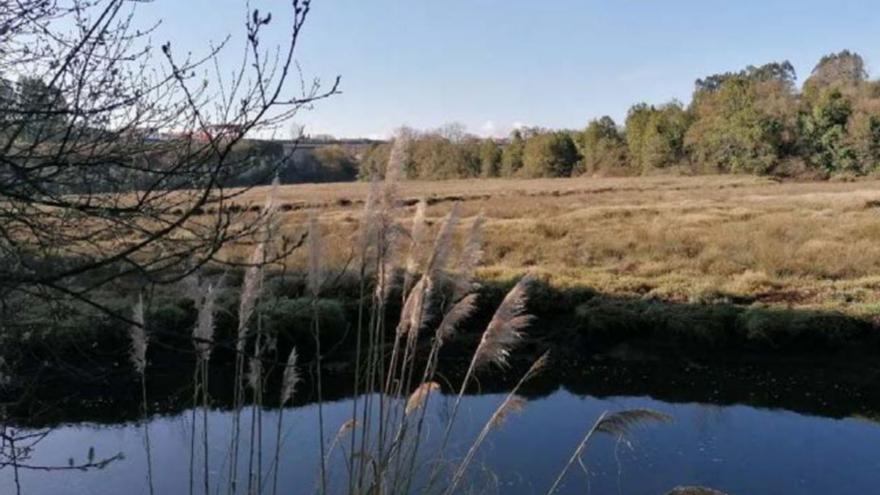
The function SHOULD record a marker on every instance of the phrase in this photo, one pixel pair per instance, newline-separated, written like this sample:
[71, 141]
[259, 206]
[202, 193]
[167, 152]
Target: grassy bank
[577, 322]
[735, 265]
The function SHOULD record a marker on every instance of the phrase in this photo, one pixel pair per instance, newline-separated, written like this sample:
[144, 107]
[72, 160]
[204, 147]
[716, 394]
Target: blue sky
[492, 65]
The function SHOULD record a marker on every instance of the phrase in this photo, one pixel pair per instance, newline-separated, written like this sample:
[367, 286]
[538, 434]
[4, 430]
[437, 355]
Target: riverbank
[579, 325]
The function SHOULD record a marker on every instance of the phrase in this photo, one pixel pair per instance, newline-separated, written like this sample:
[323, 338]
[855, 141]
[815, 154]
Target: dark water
[741, 449]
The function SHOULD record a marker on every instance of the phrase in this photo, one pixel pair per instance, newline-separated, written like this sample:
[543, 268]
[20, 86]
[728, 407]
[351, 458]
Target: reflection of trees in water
[816, 391]
[709, 416]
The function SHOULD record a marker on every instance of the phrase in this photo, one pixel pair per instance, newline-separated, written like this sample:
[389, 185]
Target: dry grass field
[688, 239]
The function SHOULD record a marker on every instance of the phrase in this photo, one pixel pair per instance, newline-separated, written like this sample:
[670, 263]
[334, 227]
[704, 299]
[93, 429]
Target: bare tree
[115, 154]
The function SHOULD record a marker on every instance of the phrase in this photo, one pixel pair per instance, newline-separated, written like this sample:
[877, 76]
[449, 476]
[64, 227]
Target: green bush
[711, 325]
[291, 320]
[604, 320]
[799, 329]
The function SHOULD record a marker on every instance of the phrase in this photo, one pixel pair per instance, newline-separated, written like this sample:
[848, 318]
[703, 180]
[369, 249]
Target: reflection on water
[736, 448]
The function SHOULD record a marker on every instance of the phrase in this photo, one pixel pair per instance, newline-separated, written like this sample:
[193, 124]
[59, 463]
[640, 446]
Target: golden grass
[707, 238]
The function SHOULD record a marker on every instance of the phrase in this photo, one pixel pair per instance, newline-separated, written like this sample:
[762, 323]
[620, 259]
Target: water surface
[740, 449]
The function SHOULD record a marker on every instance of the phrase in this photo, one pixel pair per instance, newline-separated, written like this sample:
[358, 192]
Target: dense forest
[755, 121]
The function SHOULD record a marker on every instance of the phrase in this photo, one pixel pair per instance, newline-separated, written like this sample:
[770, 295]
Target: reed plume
[504, 330]
[622, 423]
[291, 378]
[367, 227]
[418, 398]
[458, 313]
[388, 250]
[514, 404]
[394, 173]
[255, 372]
[316, 275]
[469, 258]
[417, 237]
[418, 300]
[344, 429]
[250, 291]
[289, 381]
[443, 244]
[412, 314]
[388, 232]
[619, 424]
[203, 333]
[138, 336]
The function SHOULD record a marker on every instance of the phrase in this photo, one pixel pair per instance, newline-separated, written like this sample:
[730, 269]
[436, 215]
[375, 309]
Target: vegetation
[754, 121]
[743, 240]
[114, 185]
[99, 112]
[433, 283]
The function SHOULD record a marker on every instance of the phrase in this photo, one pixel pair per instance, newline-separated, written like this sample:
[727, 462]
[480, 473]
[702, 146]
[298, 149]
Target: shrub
[291, 320]
[549, 154]
[800, 329]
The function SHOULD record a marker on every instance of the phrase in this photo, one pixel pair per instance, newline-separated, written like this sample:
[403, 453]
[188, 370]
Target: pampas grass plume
[138, 336]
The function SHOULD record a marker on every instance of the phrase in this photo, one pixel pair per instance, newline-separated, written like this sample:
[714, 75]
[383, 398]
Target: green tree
[373, 162]
[843, 68]
[655, 136]
[490, 158]
[637, 119]
[782, 72]
[435, 156]
[549, 154]
[469, 150]
[744, 124]
[825, 133]
[41, 108]
[336, 163]
[863, 128]
[512, 155]
[602, 147]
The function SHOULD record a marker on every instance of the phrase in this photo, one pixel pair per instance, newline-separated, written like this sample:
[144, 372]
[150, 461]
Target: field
[683, 239]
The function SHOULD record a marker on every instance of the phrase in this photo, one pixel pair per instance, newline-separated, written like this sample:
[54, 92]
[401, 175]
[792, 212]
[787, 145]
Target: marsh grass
[680, 239]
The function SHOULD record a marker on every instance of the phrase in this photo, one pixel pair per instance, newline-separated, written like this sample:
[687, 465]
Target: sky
[494, 65]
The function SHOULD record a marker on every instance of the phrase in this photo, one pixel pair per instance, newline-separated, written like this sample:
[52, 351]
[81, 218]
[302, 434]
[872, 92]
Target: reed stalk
[502, 333]
[138, 356]
[512, 403]
[619, 424]
[315, 281]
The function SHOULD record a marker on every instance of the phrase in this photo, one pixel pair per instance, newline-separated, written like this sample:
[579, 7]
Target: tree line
[756, 121]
